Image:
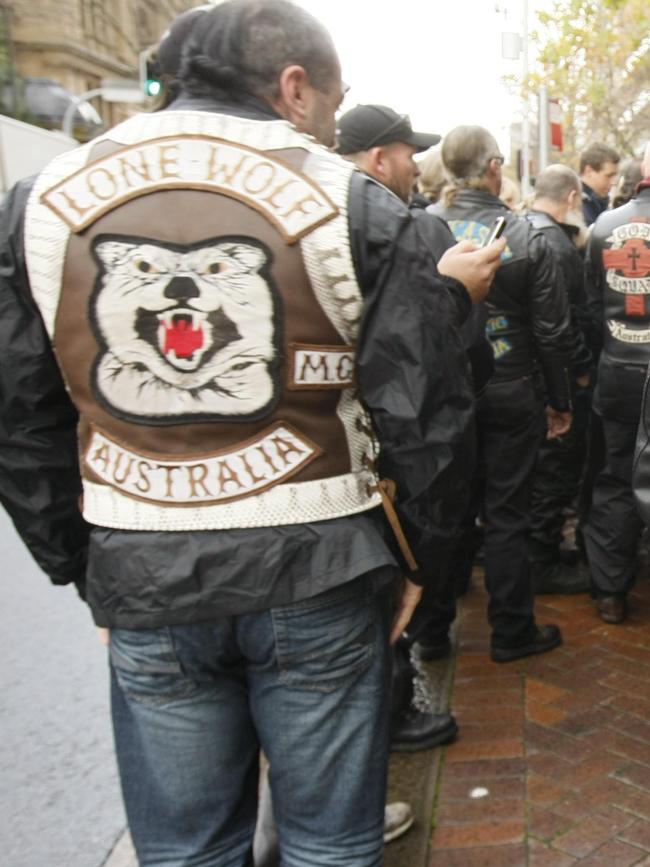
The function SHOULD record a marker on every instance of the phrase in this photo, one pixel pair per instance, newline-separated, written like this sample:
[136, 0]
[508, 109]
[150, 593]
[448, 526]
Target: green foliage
[594, 56]
[5, 47]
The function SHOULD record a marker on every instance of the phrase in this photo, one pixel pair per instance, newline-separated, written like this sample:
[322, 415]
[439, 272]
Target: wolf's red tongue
[182, 338]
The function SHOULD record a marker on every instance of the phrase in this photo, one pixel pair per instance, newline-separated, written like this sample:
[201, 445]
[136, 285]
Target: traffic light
[150, 82]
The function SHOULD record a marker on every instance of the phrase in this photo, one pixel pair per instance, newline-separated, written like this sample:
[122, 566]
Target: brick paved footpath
[552, 765]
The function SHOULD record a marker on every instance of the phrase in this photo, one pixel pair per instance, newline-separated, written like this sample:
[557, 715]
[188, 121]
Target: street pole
[72, 107]
[525, 132]
[544, 127]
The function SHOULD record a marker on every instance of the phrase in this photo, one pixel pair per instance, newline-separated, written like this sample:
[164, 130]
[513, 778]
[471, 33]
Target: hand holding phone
[495, 232]
[473, 266]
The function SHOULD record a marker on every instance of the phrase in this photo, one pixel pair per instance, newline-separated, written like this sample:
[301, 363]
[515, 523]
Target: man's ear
[572, 199]
[376, 162]
[293, 87]
[493, 176]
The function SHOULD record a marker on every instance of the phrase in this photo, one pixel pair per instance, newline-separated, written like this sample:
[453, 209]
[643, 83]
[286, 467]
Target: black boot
[418, 730]
[559, 578]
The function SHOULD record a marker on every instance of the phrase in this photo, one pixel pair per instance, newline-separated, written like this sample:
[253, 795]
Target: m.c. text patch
[313, 366]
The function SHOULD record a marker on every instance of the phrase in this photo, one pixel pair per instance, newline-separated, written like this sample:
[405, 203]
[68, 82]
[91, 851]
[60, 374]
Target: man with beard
[383, 144]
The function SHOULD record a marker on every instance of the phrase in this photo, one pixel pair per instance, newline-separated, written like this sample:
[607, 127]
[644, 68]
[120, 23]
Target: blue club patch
[471, 230]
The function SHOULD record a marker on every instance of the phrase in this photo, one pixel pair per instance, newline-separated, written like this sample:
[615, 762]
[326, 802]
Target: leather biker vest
[195, 275]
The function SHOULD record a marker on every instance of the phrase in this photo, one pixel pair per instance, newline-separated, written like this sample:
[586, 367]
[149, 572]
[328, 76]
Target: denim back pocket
[146, 666]
[325, 641]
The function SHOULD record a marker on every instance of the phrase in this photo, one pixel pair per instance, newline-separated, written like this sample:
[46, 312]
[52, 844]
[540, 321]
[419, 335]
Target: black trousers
[437, 609]
[556, 482]
[613, 526]
[510, 421]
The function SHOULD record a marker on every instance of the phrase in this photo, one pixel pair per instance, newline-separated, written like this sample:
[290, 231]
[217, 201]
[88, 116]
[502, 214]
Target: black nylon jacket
[571, 271]
[412, 375]
[528, 310]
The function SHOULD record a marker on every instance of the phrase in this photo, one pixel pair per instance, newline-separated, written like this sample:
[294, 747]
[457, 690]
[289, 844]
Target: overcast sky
[440, 62]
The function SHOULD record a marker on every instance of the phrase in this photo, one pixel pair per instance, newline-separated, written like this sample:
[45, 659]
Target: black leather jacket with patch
[618, 285]
[637, 209]
[528, 311]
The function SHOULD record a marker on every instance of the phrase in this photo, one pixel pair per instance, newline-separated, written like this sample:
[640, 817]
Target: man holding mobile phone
[383, 144]
[528, 327]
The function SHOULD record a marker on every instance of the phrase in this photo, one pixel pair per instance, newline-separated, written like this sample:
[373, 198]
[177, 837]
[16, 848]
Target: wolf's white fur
[138, 378]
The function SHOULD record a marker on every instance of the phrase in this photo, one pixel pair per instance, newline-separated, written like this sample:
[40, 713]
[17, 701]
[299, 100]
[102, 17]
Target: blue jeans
[307, 682]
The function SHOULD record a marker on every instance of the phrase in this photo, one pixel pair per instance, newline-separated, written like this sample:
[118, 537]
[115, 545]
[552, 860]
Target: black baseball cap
[368, 126]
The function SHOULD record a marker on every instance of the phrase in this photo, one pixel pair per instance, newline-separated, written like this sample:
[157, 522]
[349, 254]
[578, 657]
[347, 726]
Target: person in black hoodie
[528, 325]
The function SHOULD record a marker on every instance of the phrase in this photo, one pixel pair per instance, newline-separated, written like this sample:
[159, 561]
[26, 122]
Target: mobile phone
[496, 231]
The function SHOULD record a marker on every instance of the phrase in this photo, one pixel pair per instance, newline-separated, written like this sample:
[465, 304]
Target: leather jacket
[478, 347]
[528, 311]
[571, 271]
[618, 281]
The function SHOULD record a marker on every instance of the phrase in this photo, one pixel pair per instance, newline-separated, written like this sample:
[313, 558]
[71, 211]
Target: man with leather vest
[528, 325]
[618, 269]
[223, 329]
[560, 461]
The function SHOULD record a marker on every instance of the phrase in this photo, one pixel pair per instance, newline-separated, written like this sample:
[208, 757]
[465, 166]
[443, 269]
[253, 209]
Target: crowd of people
[261, 398]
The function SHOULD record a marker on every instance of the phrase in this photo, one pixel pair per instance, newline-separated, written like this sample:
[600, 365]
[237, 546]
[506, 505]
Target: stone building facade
[77, 43]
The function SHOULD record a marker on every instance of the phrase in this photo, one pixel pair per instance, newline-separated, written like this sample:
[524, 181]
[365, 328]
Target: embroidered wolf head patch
[186, 333]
